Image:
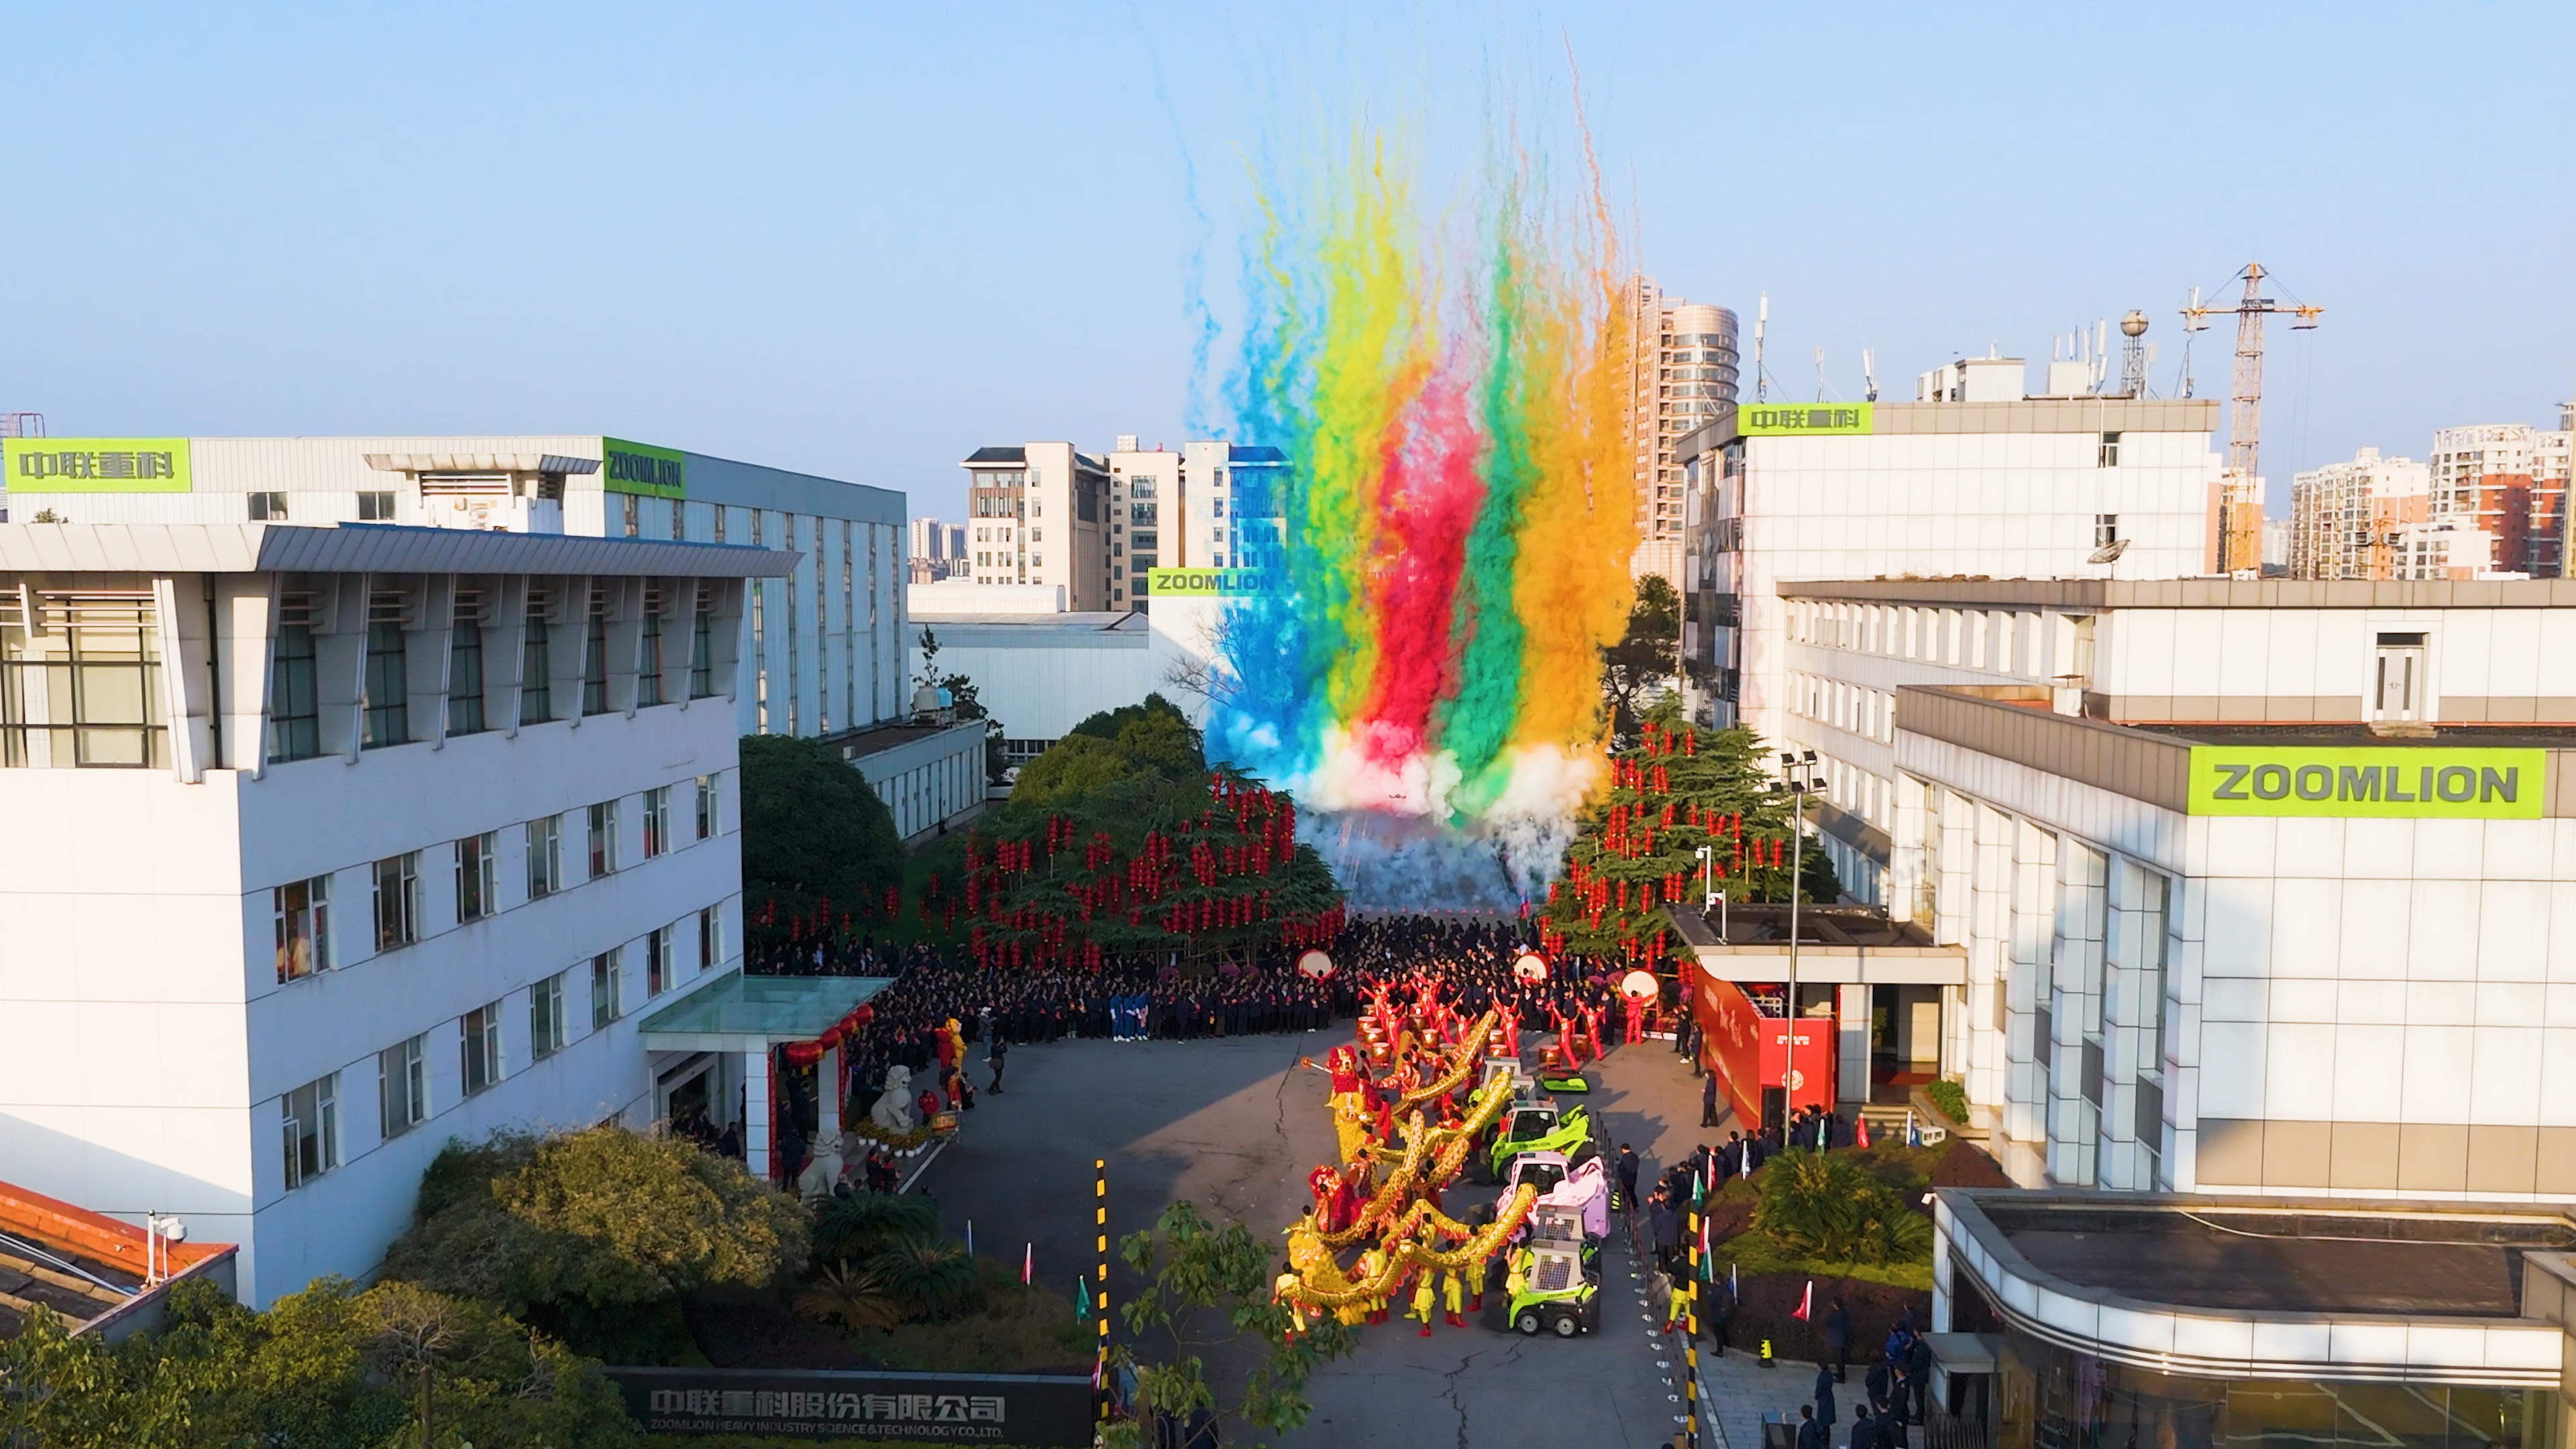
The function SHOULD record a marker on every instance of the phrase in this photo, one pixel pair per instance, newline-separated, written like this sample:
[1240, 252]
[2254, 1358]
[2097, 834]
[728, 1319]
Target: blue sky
[864, 239]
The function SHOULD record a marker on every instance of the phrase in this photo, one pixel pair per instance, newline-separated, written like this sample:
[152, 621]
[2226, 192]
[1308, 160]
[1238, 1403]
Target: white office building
[2249, 887]
[336, 843]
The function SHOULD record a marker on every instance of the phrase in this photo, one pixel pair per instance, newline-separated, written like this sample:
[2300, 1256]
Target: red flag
[1807, 1302]
[1028, 1260]
[1860, 1132]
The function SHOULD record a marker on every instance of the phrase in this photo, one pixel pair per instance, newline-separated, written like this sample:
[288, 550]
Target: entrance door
[2400, 679]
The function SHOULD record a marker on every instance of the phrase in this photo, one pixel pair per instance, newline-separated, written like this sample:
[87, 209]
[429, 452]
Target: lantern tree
[1679, 788]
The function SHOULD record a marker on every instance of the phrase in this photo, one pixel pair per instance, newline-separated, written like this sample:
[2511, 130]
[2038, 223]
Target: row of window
[309, 1116]
[2003, 640]
[1870, 713]
[375, 505]
[302, 910]
[295, 711]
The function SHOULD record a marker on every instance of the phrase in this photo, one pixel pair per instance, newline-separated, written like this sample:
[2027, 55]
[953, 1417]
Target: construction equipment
[2240, 497]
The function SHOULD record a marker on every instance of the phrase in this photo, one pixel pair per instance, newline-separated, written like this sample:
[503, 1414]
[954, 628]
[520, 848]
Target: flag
[1807, 1302]
[1733, 1289]
[970, 1237]
[1082, 1300]
[1028, 1260]
[1911, 1140]
[1860, 1132]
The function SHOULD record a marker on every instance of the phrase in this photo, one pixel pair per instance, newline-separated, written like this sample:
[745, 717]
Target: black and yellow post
[1690, 1333]
[1100, 1289]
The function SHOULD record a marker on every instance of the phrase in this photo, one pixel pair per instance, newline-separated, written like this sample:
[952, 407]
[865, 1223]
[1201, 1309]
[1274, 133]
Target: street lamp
[1795, 780]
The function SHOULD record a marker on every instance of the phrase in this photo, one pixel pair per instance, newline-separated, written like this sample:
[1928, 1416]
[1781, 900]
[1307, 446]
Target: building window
[594, 667]
[303, 912]
[657, 961]
[657, 821]
[312, 1129]
[397, 901]
[605, 1006]
[84, 686]
[294, 708]
[648, 662]
[479, 1041]
[536, 669]
[546, 1018]
[634, 514]
[267, 507]
[710, 937]
[603, 839]
[465, 679]
[702, 655]
[2106, 529]
[478, 892]
[545, 857]
[376, 506]
[709, 806]
[2109, 457]
[388, 711]
[402, 1085]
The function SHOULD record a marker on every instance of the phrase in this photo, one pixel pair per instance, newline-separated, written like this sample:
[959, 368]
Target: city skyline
[788, 222]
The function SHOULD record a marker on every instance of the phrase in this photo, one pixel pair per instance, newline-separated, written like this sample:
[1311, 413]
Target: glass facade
[2046, 1397]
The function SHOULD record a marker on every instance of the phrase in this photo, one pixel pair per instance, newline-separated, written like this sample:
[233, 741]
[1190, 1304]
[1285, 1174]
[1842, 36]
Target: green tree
[1678, 789]
[812, 830]
[965, 701]
[1824, 1207]
[1644, 662]
[595, 1235]
[1208, 1290]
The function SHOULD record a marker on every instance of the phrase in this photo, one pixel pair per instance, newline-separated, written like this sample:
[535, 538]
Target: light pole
[1709, 895]
[1799, 785]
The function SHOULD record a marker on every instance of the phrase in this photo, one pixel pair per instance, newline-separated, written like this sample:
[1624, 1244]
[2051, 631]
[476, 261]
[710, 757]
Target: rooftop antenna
[2194, 319]
[1869, 374]
[1761, 326]
[2133, 357]
[2101, 351]
[1820, 374]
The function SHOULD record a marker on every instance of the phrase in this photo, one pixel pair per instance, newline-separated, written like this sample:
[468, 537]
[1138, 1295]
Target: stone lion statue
[825, 1170]
[893, 1111]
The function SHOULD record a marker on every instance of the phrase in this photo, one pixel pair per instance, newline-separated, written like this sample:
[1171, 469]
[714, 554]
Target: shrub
[1825, 1207]
[852, 1229]
[858, 1297]
[929, 1276]
[1950, 1097]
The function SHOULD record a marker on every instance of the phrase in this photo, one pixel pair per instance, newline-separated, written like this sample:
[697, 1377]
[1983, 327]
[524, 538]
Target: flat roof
[743, 1013]
[858, 744]
[2090, 595]
[2538, 737]
[84, 1266]
[368, 548]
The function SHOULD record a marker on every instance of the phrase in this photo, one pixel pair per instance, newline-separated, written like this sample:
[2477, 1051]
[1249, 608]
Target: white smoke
[1393, 845]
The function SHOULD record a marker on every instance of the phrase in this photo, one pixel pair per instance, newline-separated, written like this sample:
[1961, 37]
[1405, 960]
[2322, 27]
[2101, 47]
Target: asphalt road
[1234, 1125]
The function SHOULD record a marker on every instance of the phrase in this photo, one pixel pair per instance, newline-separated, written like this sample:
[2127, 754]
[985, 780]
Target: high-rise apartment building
[2345, 517]
[2508, 481]
[1037, 514]
[1682, 362]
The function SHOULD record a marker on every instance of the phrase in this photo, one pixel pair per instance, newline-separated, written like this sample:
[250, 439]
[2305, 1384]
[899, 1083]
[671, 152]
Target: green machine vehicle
[1539, 1127]
[1546, 1287]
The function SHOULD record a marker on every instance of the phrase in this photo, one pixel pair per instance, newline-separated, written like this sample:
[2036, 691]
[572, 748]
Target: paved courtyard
[1235, 1125]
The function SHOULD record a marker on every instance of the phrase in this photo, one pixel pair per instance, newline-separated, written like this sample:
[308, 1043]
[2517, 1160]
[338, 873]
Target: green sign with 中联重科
[1208, 583]
[626, 467]
[2368, 780]
[94, 465]
[1796, 420]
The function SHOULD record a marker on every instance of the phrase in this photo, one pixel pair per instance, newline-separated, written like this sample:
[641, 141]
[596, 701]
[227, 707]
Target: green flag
[1081, 1300]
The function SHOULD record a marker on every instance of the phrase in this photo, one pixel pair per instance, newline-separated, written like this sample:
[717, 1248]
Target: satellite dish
[1315, 963]
[1640, 986]
[2109, 551]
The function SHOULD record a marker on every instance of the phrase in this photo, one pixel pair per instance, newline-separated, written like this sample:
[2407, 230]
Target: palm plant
[1825, 1207]
[856, 1296]
[928, 1274]
[854, 1228]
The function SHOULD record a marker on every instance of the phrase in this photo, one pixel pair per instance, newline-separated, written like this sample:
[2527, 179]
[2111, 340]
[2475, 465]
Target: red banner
[1748, 1050]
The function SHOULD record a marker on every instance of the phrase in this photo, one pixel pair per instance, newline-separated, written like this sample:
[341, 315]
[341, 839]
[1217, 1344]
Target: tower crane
[2240, 497]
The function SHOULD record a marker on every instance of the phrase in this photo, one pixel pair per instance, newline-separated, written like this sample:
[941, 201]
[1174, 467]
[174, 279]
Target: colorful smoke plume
[1449, 547]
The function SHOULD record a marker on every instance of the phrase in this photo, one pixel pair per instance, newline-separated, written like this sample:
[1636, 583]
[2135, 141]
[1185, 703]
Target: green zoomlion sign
[638, 468]
[2466, 784]
[1208, 583]
[94, 465]
[1792, 420]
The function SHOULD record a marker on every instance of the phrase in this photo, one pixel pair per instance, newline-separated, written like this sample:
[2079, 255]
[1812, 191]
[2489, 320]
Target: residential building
[1211, 505]
[1682, 368]
[2508, 481]
[938, 550]
[2276, 547]
[1144, 503]
[1036, 517]
[2246, 887]
[2345, 517]
[356, 839]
